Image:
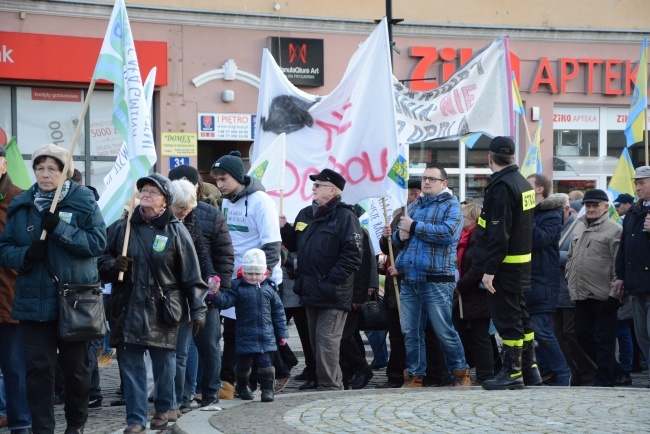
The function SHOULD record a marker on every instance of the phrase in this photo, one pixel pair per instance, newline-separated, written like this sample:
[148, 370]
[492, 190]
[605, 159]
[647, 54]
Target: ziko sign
[300, 59]
[617, 76]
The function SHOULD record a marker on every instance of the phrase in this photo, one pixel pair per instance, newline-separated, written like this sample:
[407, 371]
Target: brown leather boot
[461, 378]
[159, 421]
[411, 381]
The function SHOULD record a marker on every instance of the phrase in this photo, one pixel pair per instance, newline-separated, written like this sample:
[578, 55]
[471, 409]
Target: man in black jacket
[503, 254]
[633, 259]
[327, 237]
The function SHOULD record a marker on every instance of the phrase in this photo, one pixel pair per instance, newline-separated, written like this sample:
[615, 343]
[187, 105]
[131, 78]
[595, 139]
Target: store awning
[586, 166]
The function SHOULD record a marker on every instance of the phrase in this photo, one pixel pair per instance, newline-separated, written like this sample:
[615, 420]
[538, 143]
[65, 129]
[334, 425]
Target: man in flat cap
[327, 237]
[591, 279]
[633, 259]
[503, 253]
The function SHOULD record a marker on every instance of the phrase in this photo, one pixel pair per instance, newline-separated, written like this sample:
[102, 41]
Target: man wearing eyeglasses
[327, 237]
[428, 238]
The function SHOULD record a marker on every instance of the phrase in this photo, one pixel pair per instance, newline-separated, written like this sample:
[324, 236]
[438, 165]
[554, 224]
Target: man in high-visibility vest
[504, 247]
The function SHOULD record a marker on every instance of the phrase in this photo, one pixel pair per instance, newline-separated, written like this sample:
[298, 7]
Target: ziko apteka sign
[300, 59]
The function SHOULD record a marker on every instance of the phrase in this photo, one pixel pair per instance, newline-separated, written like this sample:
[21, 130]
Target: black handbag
[171, 307]
[373, 314]
[81, 315]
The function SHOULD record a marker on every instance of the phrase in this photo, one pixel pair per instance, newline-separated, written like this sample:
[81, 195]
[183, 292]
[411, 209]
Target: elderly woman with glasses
[183, 204]
[161, 289]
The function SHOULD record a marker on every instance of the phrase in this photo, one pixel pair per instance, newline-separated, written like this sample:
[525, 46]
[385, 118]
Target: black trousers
[595, 325]
[351, 357]
[480, 345]
[436, 373]
[41, 342]
[229, 355]
[582, 367]
[299, 316]
[509, 314]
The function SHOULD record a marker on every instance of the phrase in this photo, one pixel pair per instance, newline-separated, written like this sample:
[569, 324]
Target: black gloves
[36, 251]
[197, 326]
[122, 263]
[49, 221]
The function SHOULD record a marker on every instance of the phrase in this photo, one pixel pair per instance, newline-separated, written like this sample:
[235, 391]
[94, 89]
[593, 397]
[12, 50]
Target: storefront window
[575, 131]
[475, 187]
[616, 140]
[48, 115]
[477, 156]
[567, 186]
[5, 114]
[105, 141]
[444, 153]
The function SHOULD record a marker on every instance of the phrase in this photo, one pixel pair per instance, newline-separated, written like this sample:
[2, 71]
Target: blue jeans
[12, 362]
[433, 301]
[377, 341]
[625, 345]
[182, 347]
[134, 377]
[549, 353]
[208, 345]
[192, 370]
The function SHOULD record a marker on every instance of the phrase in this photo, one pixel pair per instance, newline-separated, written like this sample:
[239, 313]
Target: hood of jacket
[549, 203]
[251, 185]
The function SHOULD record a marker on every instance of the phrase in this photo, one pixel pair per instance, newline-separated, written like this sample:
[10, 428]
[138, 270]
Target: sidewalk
[544, 409]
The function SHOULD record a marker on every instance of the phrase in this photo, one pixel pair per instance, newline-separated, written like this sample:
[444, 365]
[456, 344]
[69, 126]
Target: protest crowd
[191, 288]
[524, 290]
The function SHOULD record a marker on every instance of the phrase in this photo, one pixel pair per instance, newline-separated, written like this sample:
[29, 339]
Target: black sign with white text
[300, 59]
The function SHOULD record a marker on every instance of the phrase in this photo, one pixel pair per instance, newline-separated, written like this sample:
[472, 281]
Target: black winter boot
[510, 377]
[241, 386]
[529, 368]
[266, 378]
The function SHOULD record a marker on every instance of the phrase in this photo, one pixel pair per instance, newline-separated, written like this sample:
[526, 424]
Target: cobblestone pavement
[540, 410]
[299, 411]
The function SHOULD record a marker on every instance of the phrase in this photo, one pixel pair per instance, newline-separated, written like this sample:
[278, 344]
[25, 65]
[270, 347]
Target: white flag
[269, 166]
[476, 99]
[352, 130]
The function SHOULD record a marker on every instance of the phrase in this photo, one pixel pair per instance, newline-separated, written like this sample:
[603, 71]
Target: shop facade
[578, 83]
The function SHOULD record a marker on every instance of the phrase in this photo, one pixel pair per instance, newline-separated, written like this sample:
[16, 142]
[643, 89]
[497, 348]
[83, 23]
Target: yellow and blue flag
[621, 181]
[533, 160]
[517, 104]
[636, 119]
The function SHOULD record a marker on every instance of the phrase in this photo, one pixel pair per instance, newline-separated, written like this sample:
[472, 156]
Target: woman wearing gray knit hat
[76, 237]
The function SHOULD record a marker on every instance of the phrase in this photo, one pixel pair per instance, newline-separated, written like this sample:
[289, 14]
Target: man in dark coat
[327, 237]
[633, 259]
[541, 300]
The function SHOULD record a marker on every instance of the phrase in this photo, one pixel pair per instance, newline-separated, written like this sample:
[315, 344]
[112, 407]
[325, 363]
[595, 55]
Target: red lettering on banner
[589, 80]
[354, 170]
[610, 75]
[332, 128]
[564, 73]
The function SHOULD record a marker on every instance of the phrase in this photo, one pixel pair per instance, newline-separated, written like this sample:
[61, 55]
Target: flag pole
[392, 260]
[645, 134]
[281, 200]
[80, 124]
[127, 233]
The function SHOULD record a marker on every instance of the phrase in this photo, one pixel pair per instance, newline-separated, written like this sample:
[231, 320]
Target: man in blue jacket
[541, 300]
[428, 237]
[633, 259]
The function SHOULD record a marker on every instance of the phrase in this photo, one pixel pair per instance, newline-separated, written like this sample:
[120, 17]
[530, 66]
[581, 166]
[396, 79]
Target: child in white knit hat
[261, 323]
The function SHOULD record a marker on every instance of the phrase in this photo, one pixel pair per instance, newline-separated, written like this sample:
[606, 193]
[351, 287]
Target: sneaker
[95, 403]
[194, 404]
[209, 401]
[280, 384]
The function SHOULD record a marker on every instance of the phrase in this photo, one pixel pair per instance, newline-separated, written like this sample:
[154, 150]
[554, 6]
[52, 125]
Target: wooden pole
[392, 261]
[645, 134]
[80, 125]
[566, 234]
[281, 200]
[460, 305]
[127, 233]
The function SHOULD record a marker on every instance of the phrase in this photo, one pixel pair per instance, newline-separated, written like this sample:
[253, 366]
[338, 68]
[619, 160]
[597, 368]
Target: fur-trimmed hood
[550, 203]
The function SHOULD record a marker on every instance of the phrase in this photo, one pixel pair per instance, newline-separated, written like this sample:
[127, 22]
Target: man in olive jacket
[591, 276]
[327, 237]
